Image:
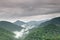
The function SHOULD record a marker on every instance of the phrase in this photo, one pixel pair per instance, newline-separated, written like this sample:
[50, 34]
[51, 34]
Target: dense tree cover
[6, 29]
[6, 35]
[48, 32]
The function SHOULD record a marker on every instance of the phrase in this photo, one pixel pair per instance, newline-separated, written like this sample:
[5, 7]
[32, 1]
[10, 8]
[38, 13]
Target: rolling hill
[9, 26]
[19, 23]
[6, 35]
[49, 31]
[55, 21]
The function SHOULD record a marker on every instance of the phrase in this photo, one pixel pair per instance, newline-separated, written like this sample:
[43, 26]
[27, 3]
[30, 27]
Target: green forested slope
[6, 35]
[48, 32]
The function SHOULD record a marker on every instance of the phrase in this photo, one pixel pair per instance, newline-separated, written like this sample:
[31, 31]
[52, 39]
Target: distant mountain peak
[19, 23]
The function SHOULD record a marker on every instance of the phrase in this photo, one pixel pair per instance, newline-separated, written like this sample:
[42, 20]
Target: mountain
[19, 23]
[55, 21]
[6, 35]
[9, 26]
[35, 23]
[50, 31]
[32, 24]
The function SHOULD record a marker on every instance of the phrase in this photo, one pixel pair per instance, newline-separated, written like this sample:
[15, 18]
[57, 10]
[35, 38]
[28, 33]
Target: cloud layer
[25, 8]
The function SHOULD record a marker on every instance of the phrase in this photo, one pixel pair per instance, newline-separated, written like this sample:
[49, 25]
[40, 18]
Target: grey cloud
[16, 14]
[33, 3]
[19, 9]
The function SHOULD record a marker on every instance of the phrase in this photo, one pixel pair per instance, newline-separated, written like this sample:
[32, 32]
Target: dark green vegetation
[50, 30]
[9, 26]
[6, 35]
[6, 30]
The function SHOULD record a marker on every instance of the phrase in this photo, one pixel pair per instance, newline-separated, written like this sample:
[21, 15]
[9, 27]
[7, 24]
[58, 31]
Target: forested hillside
[6, 35]
[51, 31]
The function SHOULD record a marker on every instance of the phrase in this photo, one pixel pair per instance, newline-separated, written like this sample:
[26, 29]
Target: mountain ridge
[50, 31]
[9, 26]
[19, 23]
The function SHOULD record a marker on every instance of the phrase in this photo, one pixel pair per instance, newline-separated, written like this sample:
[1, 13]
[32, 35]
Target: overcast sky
[28, 9]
